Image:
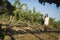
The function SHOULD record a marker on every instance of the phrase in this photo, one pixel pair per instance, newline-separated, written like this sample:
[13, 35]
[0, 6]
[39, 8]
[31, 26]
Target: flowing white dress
[46, 21]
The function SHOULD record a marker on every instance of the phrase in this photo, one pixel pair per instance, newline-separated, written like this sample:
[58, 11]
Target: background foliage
[25, 15]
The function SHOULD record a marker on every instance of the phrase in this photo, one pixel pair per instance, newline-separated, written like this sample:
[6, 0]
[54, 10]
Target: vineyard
[17, 23]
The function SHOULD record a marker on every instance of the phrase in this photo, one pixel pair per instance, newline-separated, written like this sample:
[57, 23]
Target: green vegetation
[25, 24]
[25, 15]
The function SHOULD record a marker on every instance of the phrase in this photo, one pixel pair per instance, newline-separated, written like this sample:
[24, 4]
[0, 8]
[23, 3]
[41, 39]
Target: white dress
[46, 21]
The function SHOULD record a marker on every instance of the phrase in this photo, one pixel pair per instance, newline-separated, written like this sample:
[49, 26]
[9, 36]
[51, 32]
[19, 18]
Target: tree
[57, 2]
[18, 12]
[5, 6]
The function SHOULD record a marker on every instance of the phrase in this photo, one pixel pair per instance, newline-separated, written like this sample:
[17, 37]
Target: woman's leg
[45, 28]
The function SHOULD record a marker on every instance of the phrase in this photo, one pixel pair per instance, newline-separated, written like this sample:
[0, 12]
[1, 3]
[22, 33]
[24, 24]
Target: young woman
[46, 22]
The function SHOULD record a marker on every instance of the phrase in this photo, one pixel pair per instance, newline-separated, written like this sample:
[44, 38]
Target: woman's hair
[46, 15]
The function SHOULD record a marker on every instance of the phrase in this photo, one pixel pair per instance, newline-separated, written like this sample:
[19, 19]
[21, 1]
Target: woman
[46, 22]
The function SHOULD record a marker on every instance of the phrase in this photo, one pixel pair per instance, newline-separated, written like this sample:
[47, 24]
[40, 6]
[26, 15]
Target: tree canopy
[57, 2]
[5, 6]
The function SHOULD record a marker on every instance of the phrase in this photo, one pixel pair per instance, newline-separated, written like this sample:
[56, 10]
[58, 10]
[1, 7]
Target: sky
[51, 10]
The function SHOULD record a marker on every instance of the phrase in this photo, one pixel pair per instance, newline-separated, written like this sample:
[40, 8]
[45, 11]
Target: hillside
[26, 31]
